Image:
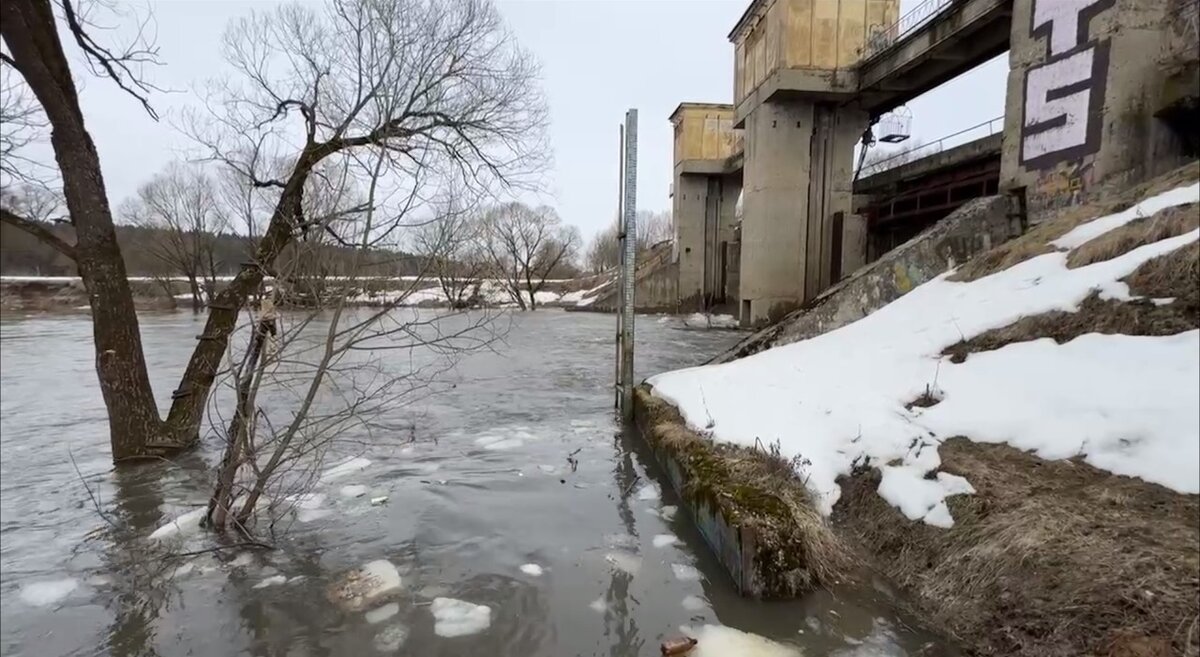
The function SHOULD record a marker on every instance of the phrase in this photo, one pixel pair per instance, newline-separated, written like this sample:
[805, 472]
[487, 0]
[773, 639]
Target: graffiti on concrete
[1061, 186]
[1064, 95]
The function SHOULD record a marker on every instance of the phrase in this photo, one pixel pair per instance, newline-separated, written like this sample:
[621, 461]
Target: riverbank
[1015, 445]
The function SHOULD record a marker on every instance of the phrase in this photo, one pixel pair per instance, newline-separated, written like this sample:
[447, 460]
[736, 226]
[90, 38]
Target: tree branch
[39, 231]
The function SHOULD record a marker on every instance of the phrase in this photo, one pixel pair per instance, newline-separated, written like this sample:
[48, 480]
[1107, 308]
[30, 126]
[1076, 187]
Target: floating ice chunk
[497, 443]
[548, 469]
[361, 587]
[668, 512]
[684, 572]
[179, 526]
[663, 540]
[391, 638]
[242, 560]
[356, 464]
[97, 581]
[694, 603]
[380, 614]
[721, 641]
[1164, 301]
[353, 490]
[648, 492]
[459, 618]
[599, 605]
[309, 515]
[273, 580]
[183, 570]
[624, 561]
[376, 501]
[44, 594]
[532, 569]
[307, 501]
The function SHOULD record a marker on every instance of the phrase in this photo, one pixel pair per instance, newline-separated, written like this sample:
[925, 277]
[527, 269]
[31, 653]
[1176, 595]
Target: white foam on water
[380, 614]
[459, 618]
[273, 580]
[721, 641]
[46, 593]
[599, 605]
[548, 469]
[620, 539]
[648, 492]
[685, 573]
[179, 526]
[664, 540]
[349, 467]
[306, 501]
[353, 490]
[499, 443]
[694, 603]
[391, 638]
[624, 561]
[532, 569]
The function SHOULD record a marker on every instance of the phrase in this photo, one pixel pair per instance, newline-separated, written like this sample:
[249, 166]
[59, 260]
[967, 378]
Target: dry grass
[796, 550]
[1048, 559]
[1175, 274]
[1164, 224]
[1036, 241]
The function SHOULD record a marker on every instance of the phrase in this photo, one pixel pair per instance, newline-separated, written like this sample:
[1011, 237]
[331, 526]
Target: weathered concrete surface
[973, 228]
[1083, 86]
[655, 279]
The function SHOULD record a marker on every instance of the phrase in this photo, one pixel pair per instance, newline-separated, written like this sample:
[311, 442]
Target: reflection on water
[478, 484]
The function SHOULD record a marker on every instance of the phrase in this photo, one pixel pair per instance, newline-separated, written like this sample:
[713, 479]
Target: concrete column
[1084, 78]
[778, 137]
[688, 208]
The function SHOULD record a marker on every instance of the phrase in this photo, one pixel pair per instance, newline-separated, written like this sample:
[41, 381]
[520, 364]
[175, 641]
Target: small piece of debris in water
[532, 569]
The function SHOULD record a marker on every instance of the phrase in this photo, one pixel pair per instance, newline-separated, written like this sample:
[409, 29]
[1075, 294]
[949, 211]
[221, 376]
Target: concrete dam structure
[1100, 94]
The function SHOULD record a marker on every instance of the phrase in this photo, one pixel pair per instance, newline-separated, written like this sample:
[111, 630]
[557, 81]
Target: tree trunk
[194, 287]
[31, 34]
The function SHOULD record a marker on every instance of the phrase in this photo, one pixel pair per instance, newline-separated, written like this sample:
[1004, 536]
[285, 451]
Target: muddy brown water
[460, 520]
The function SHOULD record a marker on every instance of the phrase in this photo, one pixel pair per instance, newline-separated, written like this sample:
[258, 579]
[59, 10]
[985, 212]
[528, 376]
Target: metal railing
[919, 151]
[880, 38]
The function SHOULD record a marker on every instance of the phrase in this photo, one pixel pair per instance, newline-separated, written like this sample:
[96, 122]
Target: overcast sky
[599, 57]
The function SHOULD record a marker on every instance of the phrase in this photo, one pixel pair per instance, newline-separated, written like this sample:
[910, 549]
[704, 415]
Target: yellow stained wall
[820, 34]
[705, 133]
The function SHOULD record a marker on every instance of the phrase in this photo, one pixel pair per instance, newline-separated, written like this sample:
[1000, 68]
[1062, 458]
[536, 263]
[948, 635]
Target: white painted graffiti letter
[1065, 95]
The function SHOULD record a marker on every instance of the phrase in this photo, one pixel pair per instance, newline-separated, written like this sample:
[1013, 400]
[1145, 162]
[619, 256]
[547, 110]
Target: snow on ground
[584, 297]
[701, 320]
[459, 618]
[840, 397]
[44, 594]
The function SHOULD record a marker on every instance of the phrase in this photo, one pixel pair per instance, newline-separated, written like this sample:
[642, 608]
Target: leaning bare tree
[180, 210]
[525, 245]
[451, 248]
[426, 83]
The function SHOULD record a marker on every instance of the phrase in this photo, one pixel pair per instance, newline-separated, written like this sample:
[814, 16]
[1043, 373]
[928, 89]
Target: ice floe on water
[459, 618]
[721, 641]
[599, 605]
[346, 468]
[361, 587]
[353, 490]
[180, 525]
[648, 492]
[694, 603]
[380, 614]
[183, 571]
[391, 638]
[668, 512]
[532, 569]
[498, 443]
[242, 560]
[664, 540]
[273, 580]
[624, 561]
[685, 573]
[46, 593]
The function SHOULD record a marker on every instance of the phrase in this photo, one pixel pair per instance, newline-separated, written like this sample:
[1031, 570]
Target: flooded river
[483, 506]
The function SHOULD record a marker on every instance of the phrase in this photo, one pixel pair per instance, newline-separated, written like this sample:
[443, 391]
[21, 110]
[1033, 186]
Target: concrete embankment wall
[656, 287]
[973, 228]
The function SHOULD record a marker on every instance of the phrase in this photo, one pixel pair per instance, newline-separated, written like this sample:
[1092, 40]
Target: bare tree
[437, 86]
[524, 245]
[652, 228]
[451, 246]
[180, 205]
[878, 161]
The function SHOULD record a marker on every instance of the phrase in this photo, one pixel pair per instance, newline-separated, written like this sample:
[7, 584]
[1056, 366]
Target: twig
[95, 502]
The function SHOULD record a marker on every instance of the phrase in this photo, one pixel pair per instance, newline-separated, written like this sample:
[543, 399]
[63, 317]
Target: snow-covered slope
[1125, 404]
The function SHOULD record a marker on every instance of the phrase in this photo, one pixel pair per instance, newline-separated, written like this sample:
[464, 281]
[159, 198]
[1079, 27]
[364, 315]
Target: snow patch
[44, 594]
[459, 618]
[848, 388]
